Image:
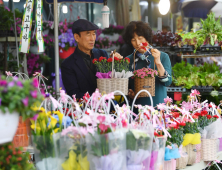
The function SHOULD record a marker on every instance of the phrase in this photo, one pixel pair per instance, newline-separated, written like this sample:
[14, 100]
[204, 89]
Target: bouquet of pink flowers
[145, 73]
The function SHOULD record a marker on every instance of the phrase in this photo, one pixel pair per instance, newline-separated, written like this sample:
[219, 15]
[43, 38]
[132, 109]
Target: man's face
[86, 40]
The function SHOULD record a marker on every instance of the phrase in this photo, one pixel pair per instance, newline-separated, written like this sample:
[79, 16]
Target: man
[78, 71]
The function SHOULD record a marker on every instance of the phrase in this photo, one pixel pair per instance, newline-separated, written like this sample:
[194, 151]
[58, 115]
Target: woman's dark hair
[140, 28]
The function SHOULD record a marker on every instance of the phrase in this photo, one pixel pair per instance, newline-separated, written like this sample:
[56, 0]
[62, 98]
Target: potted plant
[17, 98]
[103, 43]
[14, 158]
[47, 25]
[67, 44]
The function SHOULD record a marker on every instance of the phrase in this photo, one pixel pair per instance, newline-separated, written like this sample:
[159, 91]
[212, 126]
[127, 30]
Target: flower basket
[147, 84]
[113, 84]
[182, 162]
[8, 125]
[63, 54]
[21, 138]
[192, 154]
[209, 149]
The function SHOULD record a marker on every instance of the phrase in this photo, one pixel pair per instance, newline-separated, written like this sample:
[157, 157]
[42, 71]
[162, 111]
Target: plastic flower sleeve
[107, 151]
[158, 152]
[44, 137]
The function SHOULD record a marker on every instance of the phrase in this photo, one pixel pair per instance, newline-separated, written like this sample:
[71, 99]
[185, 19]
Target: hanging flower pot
[64, 54]
[34, 50]
[8, 126]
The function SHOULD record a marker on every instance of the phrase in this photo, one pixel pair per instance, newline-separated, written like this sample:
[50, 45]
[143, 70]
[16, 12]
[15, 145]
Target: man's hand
[117, 55]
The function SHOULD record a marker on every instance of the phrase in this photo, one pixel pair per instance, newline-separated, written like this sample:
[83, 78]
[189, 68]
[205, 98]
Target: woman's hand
[156, 55]
[131, 94]
[117, 55]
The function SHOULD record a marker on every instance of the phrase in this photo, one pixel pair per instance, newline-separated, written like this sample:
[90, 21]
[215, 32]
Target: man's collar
[82, 53]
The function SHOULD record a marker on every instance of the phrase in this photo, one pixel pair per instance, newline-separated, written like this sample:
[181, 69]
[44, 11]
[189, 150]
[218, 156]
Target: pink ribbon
[8, 73]
[37, 74]
[54, 102]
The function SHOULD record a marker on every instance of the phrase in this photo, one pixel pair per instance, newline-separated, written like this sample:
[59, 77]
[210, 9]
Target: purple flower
[34, 93]
[11, 84]
[3, 82]
[35, 117]
[25, 101]
[19, 83]
[35, 83]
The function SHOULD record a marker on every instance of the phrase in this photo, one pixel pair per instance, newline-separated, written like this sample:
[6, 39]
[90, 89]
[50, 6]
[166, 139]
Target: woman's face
[136, 41]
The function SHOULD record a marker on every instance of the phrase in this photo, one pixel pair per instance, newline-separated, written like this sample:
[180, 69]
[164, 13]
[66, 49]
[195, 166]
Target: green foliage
[210, 33]
[19, 95]
[187, 75]
[13, 159]
[6, 18]
[191, 128]
[134, 144]
[176, 136]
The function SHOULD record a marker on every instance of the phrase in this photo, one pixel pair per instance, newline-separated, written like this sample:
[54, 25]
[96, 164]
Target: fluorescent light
[164, 6]
[5, 0]
[143, 3]
[16, 0]
[99, 24]
[64, 9]
[24, 5]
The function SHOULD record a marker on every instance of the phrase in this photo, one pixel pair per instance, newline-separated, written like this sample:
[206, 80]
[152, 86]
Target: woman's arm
[164, 67]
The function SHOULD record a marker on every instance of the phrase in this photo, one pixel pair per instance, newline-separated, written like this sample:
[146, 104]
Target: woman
[138, 32]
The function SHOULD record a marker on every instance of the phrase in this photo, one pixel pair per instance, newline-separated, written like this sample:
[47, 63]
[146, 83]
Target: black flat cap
[83, 25]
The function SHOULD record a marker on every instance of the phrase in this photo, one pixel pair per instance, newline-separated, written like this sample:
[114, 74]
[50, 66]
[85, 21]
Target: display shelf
[10, 39]
[200, 55]
[176, 89]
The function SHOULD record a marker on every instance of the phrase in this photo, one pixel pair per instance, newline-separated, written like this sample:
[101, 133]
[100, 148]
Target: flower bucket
[113, 84]
[170, 165]
[181, 162]
[34, 50]
[177, 96]
[145, 84]
[63, 54]
[209, 149]
[21, 138]
[8, 126]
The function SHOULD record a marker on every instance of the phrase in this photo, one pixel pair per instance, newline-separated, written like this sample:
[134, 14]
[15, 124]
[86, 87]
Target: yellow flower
[60, 115]
[71, 163]
[36, 125]
[52, 122]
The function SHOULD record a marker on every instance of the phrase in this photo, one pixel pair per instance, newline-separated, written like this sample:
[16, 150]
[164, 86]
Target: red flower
[109, 60]
[127, 59]
[157, 134]
[94, 60]
[116, 59]
[19, 158]
[210, 105]
[145, 44]
[215, 116]
[102, 58]
[182, 124]
[175, 114]
[195, 116]
[204, 113]
[209, 116]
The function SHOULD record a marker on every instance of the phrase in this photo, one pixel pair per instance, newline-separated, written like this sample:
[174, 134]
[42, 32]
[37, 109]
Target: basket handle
[151, 99]
[112, 54]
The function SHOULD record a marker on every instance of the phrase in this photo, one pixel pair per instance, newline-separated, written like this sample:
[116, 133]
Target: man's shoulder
[99, 52]
[68, 60]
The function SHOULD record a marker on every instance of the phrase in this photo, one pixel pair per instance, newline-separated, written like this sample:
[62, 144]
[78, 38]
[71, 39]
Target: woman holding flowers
[139, 34]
